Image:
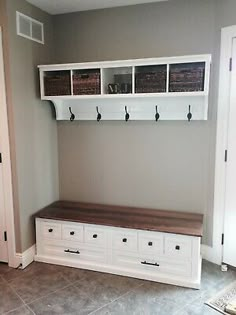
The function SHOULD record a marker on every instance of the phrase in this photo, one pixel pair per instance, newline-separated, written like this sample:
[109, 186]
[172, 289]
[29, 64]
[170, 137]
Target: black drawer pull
[150, 264]
[72, 233]
[50, 230]
[124, 240]
[149, 243]
[71, 251]
[95, 235]
[177, 247]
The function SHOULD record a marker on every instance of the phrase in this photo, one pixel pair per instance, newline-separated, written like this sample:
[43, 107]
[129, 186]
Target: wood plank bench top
[125, 217]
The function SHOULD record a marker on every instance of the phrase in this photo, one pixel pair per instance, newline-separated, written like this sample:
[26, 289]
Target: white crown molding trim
[69, 6]
[27, 257]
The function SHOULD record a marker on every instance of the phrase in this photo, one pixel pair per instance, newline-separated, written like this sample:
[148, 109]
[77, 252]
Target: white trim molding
[27, 257]
[6, 166]
[227, 35]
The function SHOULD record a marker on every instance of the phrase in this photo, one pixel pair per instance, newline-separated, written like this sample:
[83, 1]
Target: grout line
[121, 296]
[14, 309]
[29, 308]
[42, 297]
[27, 304]
[16, 293]
[186, 305]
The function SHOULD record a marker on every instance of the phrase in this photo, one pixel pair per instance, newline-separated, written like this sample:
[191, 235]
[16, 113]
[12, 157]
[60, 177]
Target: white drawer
[72, 232]
[95, 235]
[51, 230]
[178, 246]
[75, 252]
[150, 242]
[125, 240]
[150, 264]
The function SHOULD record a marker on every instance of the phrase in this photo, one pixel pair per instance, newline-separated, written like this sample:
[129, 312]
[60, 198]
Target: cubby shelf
[171, 87]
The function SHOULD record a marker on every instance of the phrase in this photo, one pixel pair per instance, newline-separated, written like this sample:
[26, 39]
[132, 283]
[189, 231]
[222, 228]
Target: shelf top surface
[127, 63]
[130, 95]
[125, 217]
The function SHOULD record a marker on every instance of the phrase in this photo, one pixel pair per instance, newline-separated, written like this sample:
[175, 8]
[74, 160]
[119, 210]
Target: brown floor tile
[4, 268]
[8, 299]
[21, 311]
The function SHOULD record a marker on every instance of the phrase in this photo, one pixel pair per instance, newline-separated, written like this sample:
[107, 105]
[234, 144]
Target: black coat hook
[157, 115]
[189, 116]
[72, 116]
[126, 114]
[99, 116]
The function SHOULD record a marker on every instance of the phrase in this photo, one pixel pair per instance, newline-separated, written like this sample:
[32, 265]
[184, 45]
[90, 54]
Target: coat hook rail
[189, 116]
[127, 116]
[72, 116]
[99, 116]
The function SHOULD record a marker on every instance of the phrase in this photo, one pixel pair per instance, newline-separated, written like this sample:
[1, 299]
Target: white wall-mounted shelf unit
[170, 87]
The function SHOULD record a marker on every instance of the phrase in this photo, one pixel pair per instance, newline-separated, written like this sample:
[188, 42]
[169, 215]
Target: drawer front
[151, 265]
[178, 246]
[51, 230]
[150, 243]
[125, 240]
[75, 252]
[72, 232]
[95, 236]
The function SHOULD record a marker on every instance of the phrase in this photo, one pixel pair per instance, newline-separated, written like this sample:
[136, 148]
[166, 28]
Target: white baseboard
[26, 257]
[210, 254]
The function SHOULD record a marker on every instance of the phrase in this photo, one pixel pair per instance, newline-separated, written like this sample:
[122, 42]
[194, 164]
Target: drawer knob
[124, 240]
[95, 235]
[177, 247]
[149, 243]
[50, 230]
[72, 233]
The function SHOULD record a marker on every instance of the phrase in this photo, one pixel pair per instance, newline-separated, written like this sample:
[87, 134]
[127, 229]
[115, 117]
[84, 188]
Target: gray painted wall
[169, 165]
[34, 124]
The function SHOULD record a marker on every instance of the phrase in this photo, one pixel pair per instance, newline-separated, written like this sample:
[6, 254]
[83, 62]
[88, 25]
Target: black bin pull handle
[72, 116]
[189, 116]
[127, 116]
[99, 116]
[157, 115]
[72, 251]
[149, 264]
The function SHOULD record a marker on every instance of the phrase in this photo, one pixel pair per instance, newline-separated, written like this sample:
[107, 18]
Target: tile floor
[55, 290]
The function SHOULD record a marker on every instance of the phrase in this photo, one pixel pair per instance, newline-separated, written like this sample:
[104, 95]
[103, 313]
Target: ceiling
[67, 6]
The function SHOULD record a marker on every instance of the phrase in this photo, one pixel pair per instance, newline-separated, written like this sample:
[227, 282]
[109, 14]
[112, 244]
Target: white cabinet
[155, 256]
[174, 88]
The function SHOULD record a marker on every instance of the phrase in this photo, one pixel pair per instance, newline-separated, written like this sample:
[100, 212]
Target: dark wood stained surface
[125, 217]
